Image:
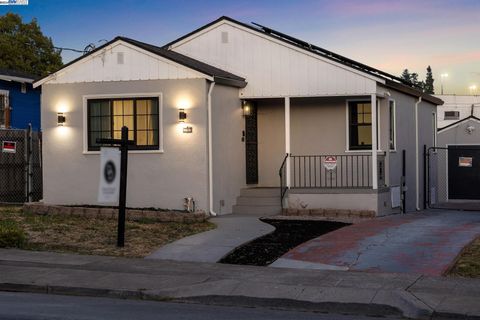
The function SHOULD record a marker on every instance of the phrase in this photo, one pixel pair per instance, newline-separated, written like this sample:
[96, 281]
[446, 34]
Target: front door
[251, 142]
[464, 172]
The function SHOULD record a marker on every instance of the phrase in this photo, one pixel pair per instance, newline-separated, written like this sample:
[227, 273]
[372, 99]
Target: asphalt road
[22, 306]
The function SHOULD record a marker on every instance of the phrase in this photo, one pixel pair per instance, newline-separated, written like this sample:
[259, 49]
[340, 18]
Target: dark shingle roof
[220, 76]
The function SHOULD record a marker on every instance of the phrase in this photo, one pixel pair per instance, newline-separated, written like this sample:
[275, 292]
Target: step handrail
[282, 174]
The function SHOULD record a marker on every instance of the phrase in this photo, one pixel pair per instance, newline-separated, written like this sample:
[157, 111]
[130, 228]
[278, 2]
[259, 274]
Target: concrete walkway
[419, 243]
[382, 294]
[232, 230]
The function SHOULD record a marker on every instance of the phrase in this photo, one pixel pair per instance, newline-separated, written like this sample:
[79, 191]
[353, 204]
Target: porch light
[60, 119]
[182, 115]
[246, 109]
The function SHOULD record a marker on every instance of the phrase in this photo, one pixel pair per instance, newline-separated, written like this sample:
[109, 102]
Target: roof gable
[459, 122]
[124, 59]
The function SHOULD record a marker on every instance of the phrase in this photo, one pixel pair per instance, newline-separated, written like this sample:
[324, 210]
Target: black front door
[251, 142]
[464, 172]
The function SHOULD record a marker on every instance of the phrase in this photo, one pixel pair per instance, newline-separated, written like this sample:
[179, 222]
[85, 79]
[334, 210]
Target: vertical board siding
[272, 69]
[137, 65]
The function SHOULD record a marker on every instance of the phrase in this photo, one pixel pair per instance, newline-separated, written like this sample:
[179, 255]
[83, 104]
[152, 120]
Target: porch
[306, 149]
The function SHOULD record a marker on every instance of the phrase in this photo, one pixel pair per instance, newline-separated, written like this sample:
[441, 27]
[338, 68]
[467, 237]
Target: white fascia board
[15, 79]
[110, 47]
[260, 34]
[457, 124]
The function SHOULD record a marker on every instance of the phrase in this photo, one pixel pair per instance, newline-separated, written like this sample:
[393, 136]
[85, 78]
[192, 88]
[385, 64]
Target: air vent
[120, 58]
[224, 37]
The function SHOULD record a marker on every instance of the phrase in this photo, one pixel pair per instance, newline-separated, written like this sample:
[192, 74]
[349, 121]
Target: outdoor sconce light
[60, 119]
[182, 115]
[246, 109]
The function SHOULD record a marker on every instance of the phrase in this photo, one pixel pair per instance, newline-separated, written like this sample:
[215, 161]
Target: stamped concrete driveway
[423, 243]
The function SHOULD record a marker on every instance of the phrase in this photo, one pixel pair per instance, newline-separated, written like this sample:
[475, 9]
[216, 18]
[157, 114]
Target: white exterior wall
[272, 68]
[463, 104]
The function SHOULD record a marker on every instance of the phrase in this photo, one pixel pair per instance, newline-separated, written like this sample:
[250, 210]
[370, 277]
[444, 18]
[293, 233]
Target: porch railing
[350, 171]
[282, 172]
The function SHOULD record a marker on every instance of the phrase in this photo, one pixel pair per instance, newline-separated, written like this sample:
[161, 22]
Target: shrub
[11, 235]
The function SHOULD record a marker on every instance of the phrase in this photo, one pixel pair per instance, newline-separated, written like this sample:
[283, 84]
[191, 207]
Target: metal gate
[453, 177]
[20, 166]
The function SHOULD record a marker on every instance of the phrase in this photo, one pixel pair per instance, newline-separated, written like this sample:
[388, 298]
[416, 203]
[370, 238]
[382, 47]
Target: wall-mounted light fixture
[182, 115]
[246, 108]
[60, 119]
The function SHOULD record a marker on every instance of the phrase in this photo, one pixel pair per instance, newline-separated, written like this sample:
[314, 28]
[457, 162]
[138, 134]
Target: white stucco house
[271, 121]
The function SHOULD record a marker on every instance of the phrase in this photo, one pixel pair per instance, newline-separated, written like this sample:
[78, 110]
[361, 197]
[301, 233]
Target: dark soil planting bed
[287, 235]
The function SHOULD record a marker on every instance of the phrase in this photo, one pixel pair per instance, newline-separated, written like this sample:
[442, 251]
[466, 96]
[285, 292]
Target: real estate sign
[108, 189]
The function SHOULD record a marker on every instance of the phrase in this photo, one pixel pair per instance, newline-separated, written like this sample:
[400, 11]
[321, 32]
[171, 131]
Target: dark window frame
[452, 115]
[152, 147]
[352, 147]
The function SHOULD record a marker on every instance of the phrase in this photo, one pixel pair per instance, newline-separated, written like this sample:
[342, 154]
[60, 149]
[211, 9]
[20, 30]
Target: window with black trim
[360, 125]
[451, 115]
[106, 117]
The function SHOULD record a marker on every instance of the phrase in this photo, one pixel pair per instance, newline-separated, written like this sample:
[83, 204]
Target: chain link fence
[20, 166]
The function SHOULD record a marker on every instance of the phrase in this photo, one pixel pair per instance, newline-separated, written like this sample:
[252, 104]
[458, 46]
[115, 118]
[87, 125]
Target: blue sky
[390, 35]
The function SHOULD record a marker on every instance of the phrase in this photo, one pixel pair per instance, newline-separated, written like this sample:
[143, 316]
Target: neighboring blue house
[19, 101]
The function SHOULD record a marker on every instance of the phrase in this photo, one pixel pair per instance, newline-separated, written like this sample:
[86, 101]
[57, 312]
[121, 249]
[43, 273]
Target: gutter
[210, 151]
[417, 177]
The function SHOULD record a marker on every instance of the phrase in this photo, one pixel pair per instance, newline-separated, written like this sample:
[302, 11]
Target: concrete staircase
[258, 201]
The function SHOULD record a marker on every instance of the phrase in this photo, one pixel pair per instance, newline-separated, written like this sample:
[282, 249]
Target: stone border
[330, 214]
[111, 213]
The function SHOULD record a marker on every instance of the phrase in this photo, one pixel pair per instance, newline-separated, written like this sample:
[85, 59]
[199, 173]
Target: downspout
[210, 151]
[417, 176]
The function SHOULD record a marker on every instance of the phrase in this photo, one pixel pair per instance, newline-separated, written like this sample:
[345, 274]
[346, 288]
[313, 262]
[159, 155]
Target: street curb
[400, 303]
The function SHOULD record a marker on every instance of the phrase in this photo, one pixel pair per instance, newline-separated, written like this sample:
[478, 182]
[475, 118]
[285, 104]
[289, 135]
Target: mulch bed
[287, 235]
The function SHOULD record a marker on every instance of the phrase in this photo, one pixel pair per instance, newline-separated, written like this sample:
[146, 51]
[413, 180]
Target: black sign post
[123, 144]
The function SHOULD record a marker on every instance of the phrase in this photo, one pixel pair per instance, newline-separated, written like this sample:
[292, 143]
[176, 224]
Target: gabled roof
[456, 123]
[391, 81]
[220, 76]
[17, 76]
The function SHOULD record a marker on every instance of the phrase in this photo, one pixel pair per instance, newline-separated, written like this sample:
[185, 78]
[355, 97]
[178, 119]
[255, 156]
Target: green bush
[11, 235]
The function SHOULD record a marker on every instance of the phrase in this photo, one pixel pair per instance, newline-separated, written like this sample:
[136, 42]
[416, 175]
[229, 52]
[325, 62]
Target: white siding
[273, 68]
[138, 64]
[462, 104]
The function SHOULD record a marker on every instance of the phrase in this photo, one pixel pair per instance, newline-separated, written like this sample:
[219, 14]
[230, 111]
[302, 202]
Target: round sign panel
[330, 162]
[109, 171]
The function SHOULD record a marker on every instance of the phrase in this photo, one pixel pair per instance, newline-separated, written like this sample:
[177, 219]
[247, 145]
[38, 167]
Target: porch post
[287, 138]
[374, 142]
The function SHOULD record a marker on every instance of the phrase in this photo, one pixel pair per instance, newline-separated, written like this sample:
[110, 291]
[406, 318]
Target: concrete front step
[260, 192]
[266, 210]
[258, 201]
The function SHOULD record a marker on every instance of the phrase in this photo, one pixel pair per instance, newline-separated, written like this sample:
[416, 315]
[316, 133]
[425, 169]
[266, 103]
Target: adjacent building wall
[155, 179]
[25, 107]
[228, 148]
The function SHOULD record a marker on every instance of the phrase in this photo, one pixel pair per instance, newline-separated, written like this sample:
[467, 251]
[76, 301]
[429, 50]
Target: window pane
[142, 107]
[105, 108]
[128, 107]
[364, 135]
[95, 123]
[95, 109]
[142, 123]
[117, 107]
[117, 122]
[142, 138]
[128, 121]
[106, 123]
[153, 137]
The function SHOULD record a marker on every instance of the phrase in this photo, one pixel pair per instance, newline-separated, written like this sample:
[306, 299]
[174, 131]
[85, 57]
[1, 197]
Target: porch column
[287, 138]
[374, 142]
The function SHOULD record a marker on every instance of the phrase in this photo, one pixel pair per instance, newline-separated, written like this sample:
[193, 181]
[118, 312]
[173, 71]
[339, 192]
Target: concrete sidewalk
[420, 243]
[384, 294]
[232, 231]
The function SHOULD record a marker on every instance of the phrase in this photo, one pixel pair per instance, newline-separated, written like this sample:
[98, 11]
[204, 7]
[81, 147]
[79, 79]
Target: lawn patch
[468, 264]
[92, 235]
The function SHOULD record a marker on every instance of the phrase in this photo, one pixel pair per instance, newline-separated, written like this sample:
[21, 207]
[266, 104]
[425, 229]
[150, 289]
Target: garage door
[464, 172]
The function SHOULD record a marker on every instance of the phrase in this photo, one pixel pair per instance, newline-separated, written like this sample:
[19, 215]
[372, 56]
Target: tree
[23, 47]
[428, 88]
[412, 79]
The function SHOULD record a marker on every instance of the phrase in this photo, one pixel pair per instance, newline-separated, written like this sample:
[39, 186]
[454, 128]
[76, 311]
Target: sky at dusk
[389, 35]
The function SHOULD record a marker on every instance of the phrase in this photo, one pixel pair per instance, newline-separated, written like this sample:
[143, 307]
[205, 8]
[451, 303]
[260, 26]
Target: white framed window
[4, 109]
[359, 125]
[393, 125]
